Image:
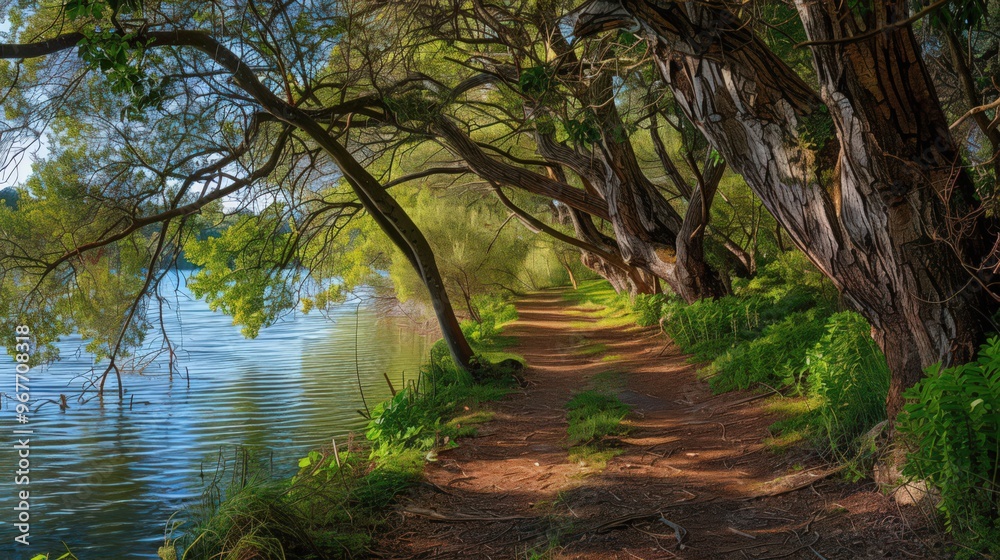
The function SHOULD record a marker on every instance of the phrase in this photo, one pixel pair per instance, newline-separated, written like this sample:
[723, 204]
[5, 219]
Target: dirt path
[696, 458]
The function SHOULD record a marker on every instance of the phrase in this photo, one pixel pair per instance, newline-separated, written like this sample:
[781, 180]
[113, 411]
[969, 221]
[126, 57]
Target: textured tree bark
[695, 279]
[624, 278]
[645, 224]
[883, 209]
[631, 280]
[905, 199]
[645, 231]
[638, 253]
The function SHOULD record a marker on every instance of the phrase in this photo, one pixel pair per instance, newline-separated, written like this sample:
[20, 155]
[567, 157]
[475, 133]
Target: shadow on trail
[690, 466]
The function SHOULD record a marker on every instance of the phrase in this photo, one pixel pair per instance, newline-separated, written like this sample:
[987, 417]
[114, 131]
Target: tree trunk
[405, 234]
[883, 209]
[630, 280]
[738, 260]
[695, 279]
[905, 199]
[569, 271]
[641, 236]
[603, 256]
[645, 224]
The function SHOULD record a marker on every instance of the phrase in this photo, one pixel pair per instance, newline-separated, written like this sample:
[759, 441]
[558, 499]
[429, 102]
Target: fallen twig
[435, 488]
[809, 482]
[820, 556]
[787, 554]
[748, 399]
[741, 533]
[680, 533]
[437, 516]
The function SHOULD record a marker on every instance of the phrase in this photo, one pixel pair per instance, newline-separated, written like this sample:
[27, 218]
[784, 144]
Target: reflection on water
[106, 479]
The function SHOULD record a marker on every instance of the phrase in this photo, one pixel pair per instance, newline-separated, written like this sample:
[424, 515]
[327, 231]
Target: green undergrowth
[951, 426]
[341, 496]
[596, 296]
[781, 331]
[595, 299]
[593, 415]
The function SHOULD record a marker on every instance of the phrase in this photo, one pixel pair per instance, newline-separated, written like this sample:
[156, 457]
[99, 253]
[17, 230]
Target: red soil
[691, 458]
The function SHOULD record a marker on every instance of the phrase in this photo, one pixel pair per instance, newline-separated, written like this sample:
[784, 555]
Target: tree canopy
[648, 137]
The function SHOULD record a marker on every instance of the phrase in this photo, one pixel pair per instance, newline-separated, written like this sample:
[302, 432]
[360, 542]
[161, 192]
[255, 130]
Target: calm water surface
[106, 479]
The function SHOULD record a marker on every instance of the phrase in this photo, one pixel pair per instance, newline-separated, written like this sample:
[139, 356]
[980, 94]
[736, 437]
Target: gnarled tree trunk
[695, 279]
[624, 278]
[883, 208]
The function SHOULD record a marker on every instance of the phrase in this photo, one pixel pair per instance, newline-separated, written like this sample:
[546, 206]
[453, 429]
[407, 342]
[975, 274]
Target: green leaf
[535, 81]
[76, 9]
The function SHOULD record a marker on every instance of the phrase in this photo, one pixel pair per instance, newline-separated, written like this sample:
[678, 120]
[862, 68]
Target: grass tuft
[593, 415]
[590, 349]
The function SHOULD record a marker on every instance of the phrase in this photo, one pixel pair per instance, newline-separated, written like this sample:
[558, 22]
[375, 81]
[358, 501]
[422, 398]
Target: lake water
[106, 479]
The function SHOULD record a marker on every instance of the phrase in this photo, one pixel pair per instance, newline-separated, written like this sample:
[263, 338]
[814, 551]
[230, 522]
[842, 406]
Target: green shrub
[789, 284]
[404, 421]
[761, 334]
[494, 311]
[416, 418]
[952, 424]
[775, 358]
[728, 319]
[791, 276]
[648, 309]
[256, 520]
[848, 372]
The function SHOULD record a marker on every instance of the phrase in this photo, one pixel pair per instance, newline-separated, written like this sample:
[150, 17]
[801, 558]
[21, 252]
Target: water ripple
[106, 479]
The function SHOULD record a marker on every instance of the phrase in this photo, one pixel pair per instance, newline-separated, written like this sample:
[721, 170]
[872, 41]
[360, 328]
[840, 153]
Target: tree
[544, 92]
[9, 197]
[169, 70]
[864, 174]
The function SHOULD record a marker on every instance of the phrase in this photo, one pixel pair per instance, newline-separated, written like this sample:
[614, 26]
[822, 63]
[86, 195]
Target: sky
[14, 171]
[17, 171]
